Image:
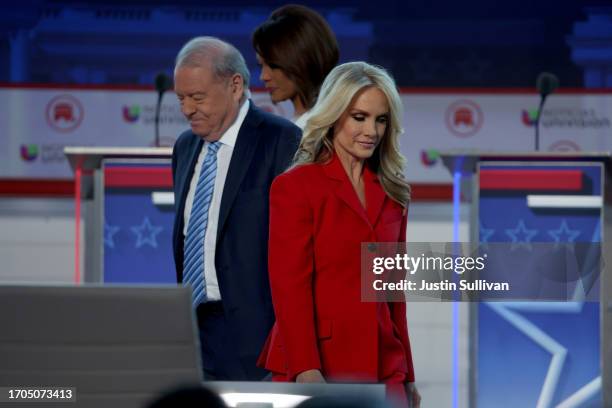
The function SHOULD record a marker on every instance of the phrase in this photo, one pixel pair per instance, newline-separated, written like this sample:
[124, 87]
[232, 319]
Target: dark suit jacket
[264, 148]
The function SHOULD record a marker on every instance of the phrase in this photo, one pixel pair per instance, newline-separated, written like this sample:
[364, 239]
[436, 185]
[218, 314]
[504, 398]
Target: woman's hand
[310, 376]
[414, 398]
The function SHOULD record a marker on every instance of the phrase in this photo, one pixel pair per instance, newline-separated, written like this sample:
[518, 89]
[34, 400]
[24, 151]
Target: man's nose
[188, 107]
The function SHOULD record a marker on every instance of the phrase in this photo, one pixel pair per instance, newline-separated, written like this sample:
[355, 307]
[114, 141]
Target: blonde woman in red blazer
[346, 187]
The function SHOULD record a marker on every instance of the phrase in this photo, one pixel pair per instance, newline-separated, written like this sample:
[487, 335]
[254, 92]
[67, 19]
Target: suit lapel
[246, 142]
[193, 158]
[375, 195]
[345, 190]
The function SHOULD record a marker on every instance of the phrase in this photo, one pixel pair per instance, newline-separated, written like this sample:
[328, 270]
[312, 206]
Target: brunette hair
[298, 40]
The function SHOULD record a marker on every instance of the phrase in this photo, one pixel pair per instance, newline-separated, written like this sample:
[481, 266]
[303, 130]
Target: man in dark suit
[223, 168]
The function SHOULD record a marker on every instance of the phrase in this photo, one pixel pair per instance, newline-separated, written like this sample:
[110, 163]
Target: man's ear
[237, 84]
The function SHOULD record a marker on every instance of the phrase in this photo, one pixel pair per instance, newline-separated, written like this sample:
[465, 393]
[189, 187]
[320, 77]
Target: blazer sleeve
[398, 315]
[291, 268]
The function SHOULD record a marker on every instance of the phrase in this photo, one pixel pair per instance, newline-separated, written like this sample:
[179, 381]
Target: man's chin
[206, 135]
[200, 131]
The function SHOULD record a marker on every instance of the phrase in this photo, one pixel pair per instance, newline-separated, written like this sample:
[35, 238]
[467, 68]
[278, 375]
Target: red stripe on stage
[431, 192]
[65, 188]
[498, 179]
[36, 188]
[119, 176]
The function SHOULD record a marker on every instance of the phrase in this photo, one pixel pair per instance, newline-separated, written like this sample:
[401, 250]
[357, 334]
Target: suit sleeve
[291, 261]
[287, 145]
[176, 247]
[398, 315]
[174, 161]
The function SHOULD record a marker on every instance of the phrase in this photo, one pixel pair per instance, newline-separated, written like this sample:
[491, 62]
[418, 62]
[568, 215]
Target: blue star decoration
[146, 233]
[109, 234]
[564, 234]
[521, 236]
[485, 233]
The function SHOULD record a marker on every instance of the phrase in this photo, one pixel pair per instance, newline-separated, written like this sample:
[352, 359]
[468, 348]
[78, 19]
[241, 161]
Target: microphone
[162, 84]
[546, 83]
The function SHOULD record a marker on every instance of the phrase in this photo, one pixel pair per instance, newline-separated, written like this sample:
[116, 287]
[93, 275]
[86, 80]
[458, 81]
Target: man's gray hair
[226, 60]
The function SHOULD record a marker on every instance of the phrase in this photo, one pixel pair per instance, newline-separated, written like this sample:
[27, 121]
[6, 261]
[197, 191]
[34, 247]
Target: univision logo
[29, 152]
[131, 113]
[529, 116]
[429, 157]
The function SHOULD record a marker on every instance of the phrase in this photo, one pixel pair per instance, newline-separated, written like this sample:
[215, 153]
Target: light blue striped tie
[193, 262]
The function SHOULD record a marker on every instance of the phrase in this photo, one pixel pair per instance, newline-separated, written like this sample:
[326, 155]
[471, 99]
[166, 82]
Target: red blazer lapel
[375, 195]
[344, 189]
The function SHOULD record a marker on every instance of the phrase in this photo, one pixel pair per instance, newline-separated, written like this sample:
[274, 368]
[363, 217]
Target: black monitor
[116, 346]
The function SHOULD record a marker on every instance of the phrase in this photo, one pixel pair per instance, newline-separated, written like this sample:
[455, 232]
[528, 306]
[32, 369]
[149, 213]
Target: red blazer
[317, 225]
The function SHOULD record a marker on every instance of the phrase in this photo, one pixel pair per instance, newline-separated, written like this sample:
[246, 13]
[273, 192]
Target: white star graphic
[564, 235]
[109, 234]
[583, 395]
[146, 233]
[508, 311]
[521, 236]
[485, 234]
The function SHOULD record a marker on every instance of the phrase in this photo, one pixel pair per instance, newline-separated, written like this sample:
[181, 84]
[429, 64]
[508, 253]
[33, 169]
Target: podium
[555, 353]
[124, 196]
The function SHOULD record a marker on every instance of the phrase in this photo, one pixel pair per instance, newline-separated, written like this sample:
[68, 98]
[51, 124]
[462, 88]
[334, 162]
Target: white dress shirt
[224, 155]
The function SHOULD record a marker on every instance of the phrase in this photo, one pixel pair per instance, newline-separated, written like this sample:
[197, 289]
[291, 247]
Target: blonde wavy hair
[336, 95]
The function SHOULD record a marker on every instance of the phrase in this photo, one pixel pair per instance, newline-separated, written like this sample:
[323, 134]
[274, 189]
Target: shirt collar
[231, 134]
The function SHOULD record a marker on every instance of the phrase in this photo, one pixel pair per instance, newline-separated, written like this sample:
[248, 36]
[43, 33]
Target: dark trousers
[220, 354]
